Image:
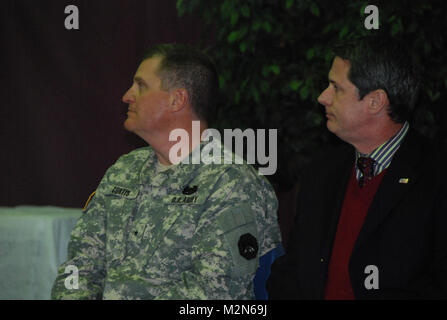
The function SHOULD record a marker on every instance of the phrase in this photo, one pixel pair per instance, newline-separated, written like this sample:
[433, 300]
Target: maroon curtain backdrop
[62, 114]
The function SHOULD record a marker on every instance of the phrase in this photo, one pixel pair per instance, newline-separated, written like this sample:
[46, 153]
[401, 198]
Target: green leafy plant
[273, 57]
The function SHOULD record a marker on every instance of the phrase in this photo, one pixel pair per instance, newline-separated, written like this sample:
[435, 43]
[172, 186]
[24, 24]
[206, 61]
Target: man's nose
[128, 97]
[324, 97]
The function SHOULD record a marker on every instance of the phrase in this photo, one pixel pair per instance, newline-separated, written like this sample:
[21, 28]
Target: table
[33, 243]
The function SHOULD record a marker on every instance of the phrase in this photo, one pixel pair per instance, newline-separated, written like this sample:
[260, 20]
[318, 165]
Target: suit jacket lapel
[392, 189]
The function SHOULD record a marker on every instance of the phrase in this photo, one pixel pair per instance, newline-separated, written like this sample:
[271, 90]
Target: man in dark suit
[371, 219]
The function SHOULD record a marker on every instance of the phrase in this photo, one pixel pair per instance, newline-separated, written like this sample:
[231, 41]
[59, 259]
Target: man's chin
[330, 125]
[128, 125]
[333, 128]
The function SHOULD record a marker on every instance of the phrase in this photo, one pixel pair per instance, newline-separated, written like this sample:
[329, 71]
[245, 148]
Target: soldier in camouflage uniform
[157, 230]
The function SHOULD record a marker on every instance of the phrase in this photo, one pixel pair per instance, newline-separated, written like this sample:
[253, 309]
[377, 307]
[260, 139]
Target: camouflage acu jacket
[193, 231]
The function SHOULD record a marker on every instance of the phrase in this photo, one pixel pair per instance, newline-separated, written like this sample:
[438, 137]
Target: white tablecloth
[33, 243]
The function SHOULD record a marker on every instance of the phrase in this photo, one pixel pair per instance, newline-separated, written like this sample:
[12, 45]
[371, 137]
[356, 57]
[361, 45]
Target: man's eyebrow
[139, 79]
[334, 82]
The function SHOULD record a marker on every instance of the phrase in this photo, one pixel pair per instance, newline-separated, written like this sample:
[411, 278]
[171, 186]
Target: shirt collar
[385, 152]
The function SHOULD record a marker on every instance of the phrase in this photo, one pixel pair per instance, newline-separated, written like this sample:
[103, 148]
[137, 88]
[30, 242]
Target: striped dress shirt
[384, 153]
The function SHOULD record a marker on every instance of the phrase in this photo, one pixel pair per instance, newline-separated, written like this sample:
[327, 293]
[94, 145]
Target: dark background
[61, 117]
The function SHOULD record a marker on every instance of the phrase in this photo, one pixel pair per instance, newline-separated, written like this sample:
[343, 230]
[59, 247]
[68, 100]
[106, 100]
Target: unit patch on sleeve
[248, 246]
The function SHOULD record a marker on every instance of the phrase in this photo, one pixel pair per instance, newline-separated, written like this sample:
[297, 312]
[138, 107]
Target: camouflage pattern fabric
[171, 234]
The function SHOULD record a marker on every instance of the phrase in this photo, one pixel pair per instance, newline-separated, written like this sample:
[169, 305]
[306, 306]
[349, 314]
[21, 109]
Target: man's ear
[377, 101]
[179, 98]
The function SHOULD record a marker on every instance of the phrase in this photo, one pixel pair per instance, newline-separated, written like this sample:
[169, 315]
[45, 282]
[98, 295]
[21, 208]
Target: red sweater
[355, 207]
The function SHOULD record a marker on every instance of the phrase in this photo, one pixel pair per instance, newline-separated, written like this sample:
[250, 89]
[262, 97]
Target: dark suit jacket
[404, 233]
